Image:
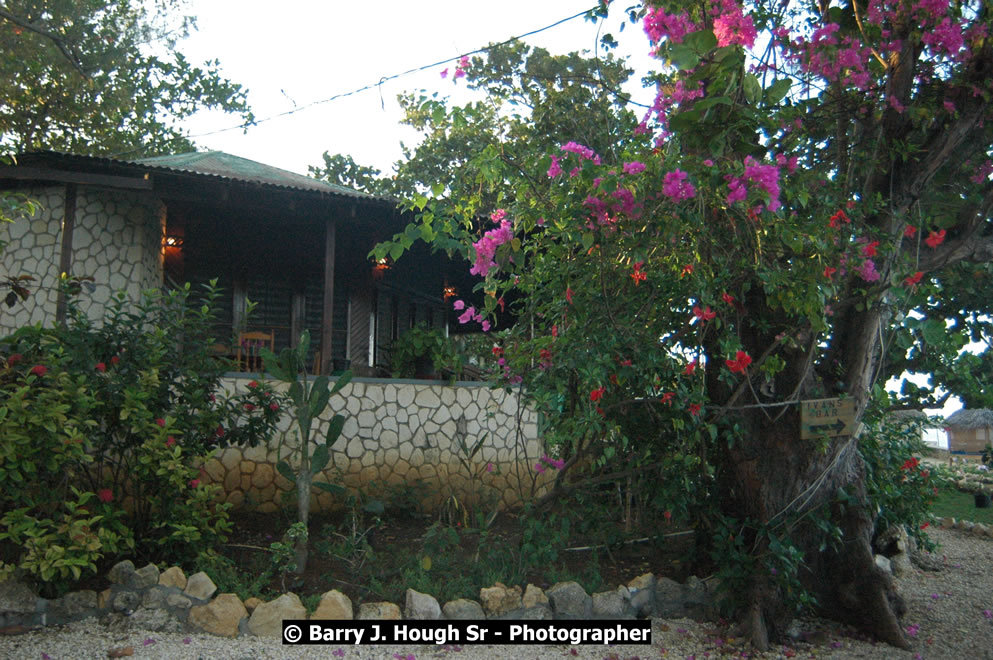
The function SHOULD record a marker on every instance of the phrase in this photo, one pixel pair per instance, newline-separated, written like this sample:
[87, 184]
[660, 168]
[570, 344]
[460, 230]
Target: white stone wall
[398, 432]
[117, 240]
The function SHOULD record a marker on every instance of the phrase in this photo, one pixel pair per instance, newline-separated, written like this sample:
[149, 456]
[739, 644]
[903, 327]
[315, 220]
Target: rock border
[168, 601]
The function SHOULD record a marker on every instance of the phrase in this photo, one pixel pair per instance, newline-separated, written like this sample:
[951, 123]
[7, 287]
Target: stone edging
[168, 601]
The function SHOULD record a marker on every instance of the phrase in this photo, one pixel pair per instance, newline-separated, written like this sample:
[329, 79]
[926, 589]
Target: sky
[303, 62]
[296, 54]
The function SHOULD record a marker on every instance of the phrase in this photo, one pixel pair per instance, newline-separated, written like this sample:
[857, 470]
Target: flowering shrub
[103, 429]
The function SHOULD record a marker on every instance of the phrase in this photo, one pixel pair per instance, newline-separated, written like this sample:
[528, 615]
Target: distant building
[969, 431]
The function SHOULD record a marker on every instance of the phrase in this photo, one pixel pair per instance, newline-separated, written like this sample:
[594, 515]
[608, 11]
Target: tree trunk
[773, 478]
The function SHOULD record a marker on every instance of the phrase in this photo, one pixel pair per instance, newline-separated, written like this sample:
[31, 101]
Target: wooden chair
[248, 352]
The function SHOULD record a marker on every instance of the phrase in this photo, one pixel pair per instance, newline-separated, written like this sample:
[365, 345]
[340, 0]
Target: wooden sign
[829, 418]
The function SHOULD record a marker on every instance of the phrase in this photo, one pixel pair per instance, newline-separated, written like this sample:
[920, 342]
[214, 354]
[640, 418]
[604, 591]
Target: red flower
[912, 280]
[667, 397]
[739, 363]
[545, 355]
[105, 495]
[910, 464]
[555, 331]
[115, 360]
[194, 483]
[568, 295]
[497, 351]
[703, 314]
[909, 231]
[728, 298]
[597, 394]
[687, 270]
[626, 363]
[668, 515]
[869, 249]
[160, 422]
[219, 432]
[273, 406]
[39, 370]
[613, 379]
[829, 271]
[840, 215]
[249, 407]
[252, 384]
[688, 371]
[170, 441]
[101, 367]
[934, 239]
[694, 409]
[637, 275]
[925, 525]
[501, 303]
[14, 359]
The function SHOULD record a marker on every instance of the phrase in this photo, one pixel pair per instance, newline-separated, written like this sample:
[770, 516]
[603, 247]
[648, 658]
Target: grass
[961, 506]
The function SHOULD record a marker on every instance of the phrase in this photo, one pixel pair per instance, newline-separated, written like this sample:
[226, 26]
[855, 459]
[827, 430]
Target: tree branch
[58, 41]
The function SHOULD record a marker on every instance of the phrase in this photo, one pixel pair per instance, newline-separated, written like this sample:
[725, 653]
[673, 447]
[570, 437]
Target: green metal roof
[226, 166]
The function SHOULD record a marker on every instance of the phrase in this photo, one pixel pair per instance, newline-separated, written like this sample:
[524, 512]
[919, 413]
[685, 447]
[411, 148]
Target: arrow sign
[820, 418]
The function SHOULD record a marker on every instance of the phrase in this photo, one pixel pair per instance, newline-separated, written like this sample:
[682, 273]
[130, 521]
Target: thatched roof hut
[969, 431]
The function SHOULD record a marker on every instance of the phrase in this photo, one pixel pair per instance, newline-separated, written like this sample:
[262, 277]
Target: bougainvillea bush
[802, 214]
[103, 429]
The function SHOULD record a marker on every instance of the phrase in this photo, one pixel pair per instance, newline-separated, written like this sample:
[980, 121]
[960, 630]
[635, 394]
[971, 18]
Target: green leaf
[588, 240]
[343, 379]
[934, 331]
[701, 41]
[284, 469]
[753, 90]
[334, 430]
[711, 101]
[683, 57]
[778, 91]
[296, 394]
[319, 396]
[334, 489]
[320, 459]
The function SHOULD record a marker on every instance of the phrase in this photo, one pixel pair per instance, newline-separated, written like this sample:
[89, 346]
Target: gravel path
[950, 617]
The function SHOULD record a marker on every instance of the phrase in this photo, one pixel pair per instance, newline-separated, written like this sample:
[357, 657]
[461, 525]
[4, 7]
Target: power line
[386, 79]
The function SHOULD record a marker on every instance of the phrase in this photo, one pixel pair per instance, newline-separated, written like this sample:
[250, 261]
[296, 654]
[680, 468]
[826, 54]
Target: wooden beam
[25, 173]
[327, 322]
[65, 254]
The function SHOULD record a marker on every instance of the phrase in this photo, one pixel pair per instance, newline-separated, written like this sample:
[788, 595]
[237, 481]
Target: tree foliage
[799, 216]
[103, 77]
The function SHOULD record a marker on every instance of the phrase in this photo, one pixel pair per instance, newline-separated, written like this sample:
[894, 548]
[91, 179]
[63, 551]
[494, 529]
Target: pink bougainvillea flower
[101, 367]
[148, 642]
[740, 362]
[597, 394]
[913, 280]
[912, 629]
[867, 271]
[555, 168]
[485, 325]
[988, 614]
[676, 186]
[444, 73]
[490, 467]
[105, 495]
[467, 315]
[458, 305]
[935, 238]
[539, 468]
[634, 167]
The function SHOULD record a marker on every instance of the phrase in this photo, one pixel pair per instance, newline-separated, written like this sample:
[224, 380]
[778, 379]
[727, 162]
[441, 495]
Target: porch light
[380, 266]
[449, 292]
[173, 241]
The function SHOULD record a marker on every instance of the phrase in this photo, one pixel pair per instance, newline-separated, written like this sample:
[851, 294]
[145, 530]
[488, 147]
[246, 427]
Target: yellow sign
[821, 418]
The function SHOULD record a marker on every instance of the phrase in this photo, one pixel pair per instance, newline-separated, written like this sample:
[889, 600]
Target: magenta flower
[467, 315]
[867, 271]
[554, 169]
[675, 185]
[634, 167]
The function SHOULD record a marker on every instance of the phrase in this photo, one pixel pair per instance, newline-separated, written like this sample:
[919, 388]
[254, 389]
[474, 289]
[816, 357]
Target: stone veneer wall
[398, 432]
[117, 240]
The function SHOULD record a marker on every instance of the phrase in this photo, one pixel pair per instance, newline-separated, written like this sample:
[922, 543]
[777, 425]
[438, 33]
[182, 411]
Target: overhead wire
[385, 79]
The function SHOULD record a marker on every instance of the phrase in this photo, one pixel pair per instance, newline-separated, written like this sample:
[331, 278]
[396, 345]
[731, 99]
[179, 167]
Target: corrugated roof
[224, 165]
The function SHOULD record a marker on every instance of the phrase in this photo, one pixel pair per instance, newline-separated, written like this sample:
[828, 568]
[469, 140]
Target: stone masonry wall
[117, 240]
[399, 432]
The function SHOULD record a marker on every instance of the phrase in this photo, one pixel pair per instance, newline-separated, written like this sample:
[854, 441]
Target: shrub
[103, 430]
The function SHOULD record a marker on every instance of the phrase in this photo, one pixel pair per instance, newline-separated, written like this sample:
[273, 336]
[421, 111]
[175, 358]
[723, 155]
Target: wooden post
[65, 256]
[327, 318]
